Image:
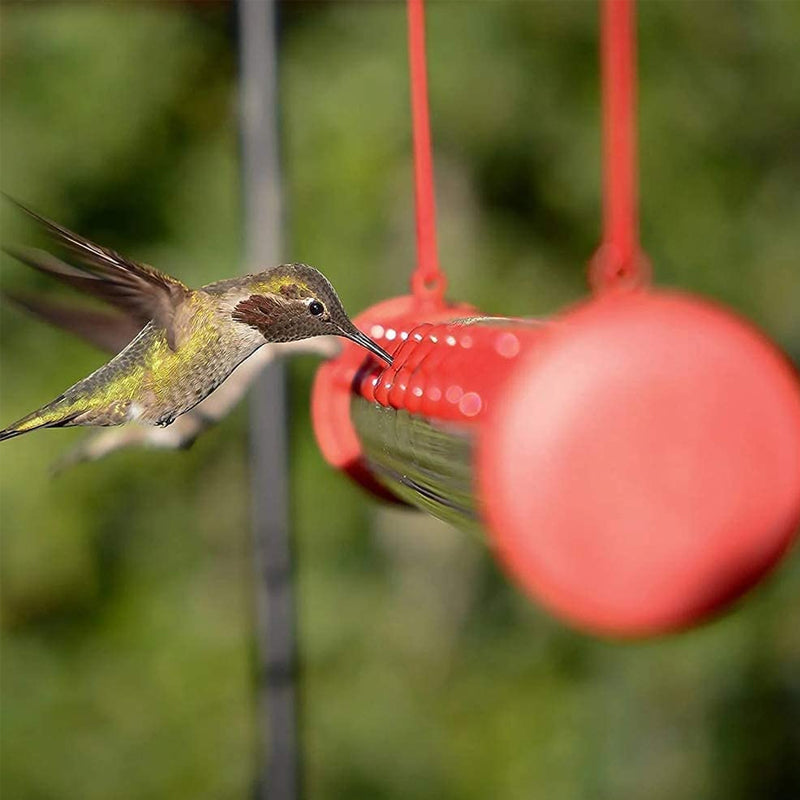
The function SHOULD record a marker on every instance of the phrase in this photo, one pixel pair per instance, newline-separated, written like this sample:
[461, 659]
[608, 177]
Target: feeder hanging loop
[428, 282]
[619, 261]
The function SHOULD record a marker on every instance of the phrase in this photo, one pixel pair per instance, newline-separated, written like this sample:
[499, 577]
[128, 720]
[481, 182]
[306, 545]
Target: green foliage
[126, 585]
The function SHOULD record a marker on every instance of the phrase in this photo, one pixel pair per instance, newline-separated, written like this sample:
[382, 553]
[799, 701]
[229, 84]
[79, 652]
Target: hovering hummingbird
[193, 339]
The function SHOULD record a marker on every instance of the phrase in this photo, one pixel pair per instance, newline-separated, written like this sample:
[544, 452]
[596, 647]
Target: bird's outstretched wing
[140, 290]
[109, 330]
[48, 264]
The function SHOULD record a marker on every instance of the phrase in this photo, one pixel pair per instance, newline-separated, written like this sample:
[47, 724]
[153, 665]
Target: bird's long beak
[362, 339]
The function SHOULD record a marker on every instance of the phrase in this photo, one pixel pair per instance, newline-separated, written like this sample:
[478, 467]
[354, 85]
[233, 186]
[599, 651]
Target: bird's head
[295, 301]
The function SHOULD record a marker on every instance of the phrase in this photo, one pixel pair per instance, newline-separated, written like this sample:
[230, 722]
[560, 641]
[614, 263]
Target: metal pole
[275, 615]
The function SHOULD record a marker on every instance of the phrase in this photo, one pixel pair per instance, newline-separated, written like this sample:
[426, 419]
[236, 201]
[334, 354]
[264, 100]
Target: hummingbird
[191, 339]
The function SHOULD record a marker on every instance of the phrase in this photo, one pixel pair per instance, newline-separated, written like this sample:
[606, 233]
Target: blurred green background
[127, 613]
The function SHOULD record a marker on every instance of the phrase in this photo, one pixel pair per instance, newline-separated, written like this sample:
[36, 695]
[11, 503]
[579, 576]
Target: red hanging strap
[428, 281]
[619, 262]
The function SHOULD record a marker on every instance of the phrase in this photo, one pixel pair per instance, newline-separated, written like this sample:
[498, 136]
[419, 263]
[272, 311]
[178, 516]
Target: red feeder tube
[635, 461]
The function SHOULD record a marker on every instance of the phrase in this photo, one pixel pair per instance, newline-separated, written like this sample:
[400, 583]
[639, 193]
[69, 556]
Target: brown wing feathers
[79, 279]
[143, 292]
[107, 330]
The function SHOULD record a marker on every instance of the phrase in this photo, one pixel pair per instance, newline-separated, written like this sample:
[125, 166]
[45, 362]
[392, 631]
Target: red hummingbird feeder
[634, 460]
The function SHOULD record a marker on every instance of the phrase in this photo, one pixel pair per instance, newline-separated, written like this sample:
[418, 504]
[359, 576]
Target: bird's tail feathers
[54, 415]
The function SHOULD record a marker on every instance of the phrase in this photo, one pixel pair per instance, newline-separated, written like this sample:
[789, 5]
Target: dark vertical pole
[275, 602]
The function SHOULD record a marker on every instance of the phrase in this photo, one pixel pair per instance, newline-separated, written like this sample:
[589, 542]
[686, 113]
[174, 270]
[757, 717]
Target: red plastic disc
[642, 469]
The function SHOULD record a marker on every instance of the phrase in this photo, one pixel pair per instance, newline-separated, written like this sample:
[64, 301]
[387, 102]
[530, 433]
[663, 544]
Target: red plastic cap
[642, 469]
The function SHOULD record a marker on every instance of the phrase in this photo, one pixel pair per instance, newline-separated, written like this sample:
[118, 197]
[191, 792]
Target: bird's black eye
[315, 308]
